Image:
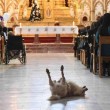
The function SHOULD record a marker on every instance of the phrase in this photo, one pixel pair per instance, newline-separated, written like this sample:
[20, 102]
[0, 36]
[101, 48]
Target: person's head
[14, 26]
[5, 29]
[10, 33]
[57, 23]
[98, 18]
[106, 19]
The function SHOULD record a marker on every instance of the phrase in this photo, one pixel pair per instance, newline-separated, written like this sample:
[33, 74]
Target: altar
[50, 11]
[47, 32]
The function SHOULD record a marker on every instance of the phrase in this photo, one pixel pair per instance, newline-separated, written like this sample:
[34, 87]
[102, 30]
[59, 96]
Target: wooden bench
[2, 51]
[104, 52]
[83, 56]
[94, 59]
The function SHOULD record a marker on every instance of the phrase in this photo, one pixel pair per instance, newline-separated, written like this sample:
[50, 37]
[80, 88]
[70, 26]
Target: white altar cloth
[46, 30]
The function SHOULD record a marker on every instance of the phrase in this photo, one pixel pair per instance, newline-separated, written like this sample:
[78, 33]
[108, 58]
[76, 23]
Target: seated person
[13, 53]
[103, 29]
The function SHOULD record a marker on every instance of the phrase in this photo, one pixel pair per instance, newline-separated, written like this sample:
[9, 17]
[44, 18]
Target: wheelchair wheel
[23, 56]
[6, 58]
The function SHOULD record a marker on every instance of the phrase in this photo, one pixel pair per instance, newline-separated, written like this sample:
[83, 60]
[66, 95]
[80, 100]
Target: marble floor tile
[25, 87]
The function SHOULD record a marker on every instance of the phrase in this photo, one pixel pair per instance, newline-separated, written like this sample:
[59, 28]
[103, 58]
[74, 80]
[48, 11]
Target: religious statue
[35, 12]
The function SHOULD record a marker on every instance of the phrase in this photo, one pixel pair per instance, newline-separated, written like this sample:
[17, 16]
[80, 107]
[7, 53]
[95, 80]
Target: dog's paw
[47, 70]
[62, 67]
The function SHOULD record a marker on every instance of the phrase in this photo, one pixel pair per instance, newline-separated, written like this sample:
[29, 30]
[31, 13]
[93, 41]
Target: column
[92, 10]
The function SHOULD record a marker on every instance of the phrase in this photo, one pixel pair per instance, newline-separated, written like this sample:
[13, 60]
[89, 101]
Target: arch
[106, 3]
[98, 9]
[86, 10]
[98, 2]
[108, 7]
[15, 3]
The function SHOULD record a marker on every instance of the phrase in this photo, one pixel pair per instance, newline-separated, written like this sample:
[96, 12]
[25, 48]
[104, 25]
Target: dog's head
[59, 88]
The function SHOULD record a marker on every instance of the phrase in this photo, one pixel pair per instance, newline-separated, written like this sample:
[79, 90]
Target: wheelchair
[15, 49]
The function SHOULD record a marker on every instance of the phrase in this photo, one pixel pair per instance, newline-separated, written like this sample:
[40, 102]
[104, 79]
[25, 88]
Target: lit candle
[20, 24]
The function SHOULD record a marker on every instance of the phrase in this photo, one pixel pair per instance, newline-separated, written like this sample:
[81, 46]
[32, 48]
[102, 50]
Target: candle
[20, 24]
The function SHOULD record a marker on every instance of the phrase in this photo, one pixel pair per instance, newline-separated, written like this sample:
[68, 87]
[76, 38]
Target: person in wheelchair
[12, 53]
[15, 48]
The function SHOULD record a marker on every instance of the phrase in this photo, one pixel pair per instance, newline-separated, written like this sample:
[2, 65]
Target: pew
[2, 47]
[83, 56]
[0, 50]
[94, 59]
[104, 52]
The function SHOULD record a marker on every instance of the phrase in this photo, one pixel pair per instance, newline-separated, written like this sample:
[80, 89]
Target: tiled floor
[25, 87]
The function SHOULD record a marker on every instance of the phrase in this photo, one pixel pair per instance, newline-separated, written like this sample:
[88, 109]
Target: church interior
[49, 48]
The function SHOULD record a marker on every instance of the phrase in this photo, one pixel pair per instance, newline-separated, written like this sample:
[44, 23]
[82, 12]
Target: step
[49, 48]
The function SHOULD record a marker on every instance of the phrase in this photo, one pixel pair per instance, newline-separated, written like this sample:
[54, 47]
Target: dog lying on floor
[63, 88]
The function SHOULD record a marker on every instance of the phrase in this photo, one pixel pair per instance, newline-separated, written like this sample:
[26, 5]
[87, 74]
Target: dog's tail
[50, 80]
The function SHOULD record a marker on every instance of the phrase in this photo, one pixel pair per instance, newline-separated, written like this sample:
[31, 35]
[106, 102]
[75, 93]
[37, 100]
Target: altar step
[49, 48]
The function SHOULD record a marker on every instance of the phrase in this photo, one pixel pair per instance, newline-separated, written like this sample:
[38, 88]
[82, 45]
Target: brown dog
[63, 88]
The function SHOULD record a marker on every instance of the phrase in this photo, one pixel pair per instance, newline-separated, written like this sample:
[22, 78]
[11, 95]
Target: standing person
[35, 12]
